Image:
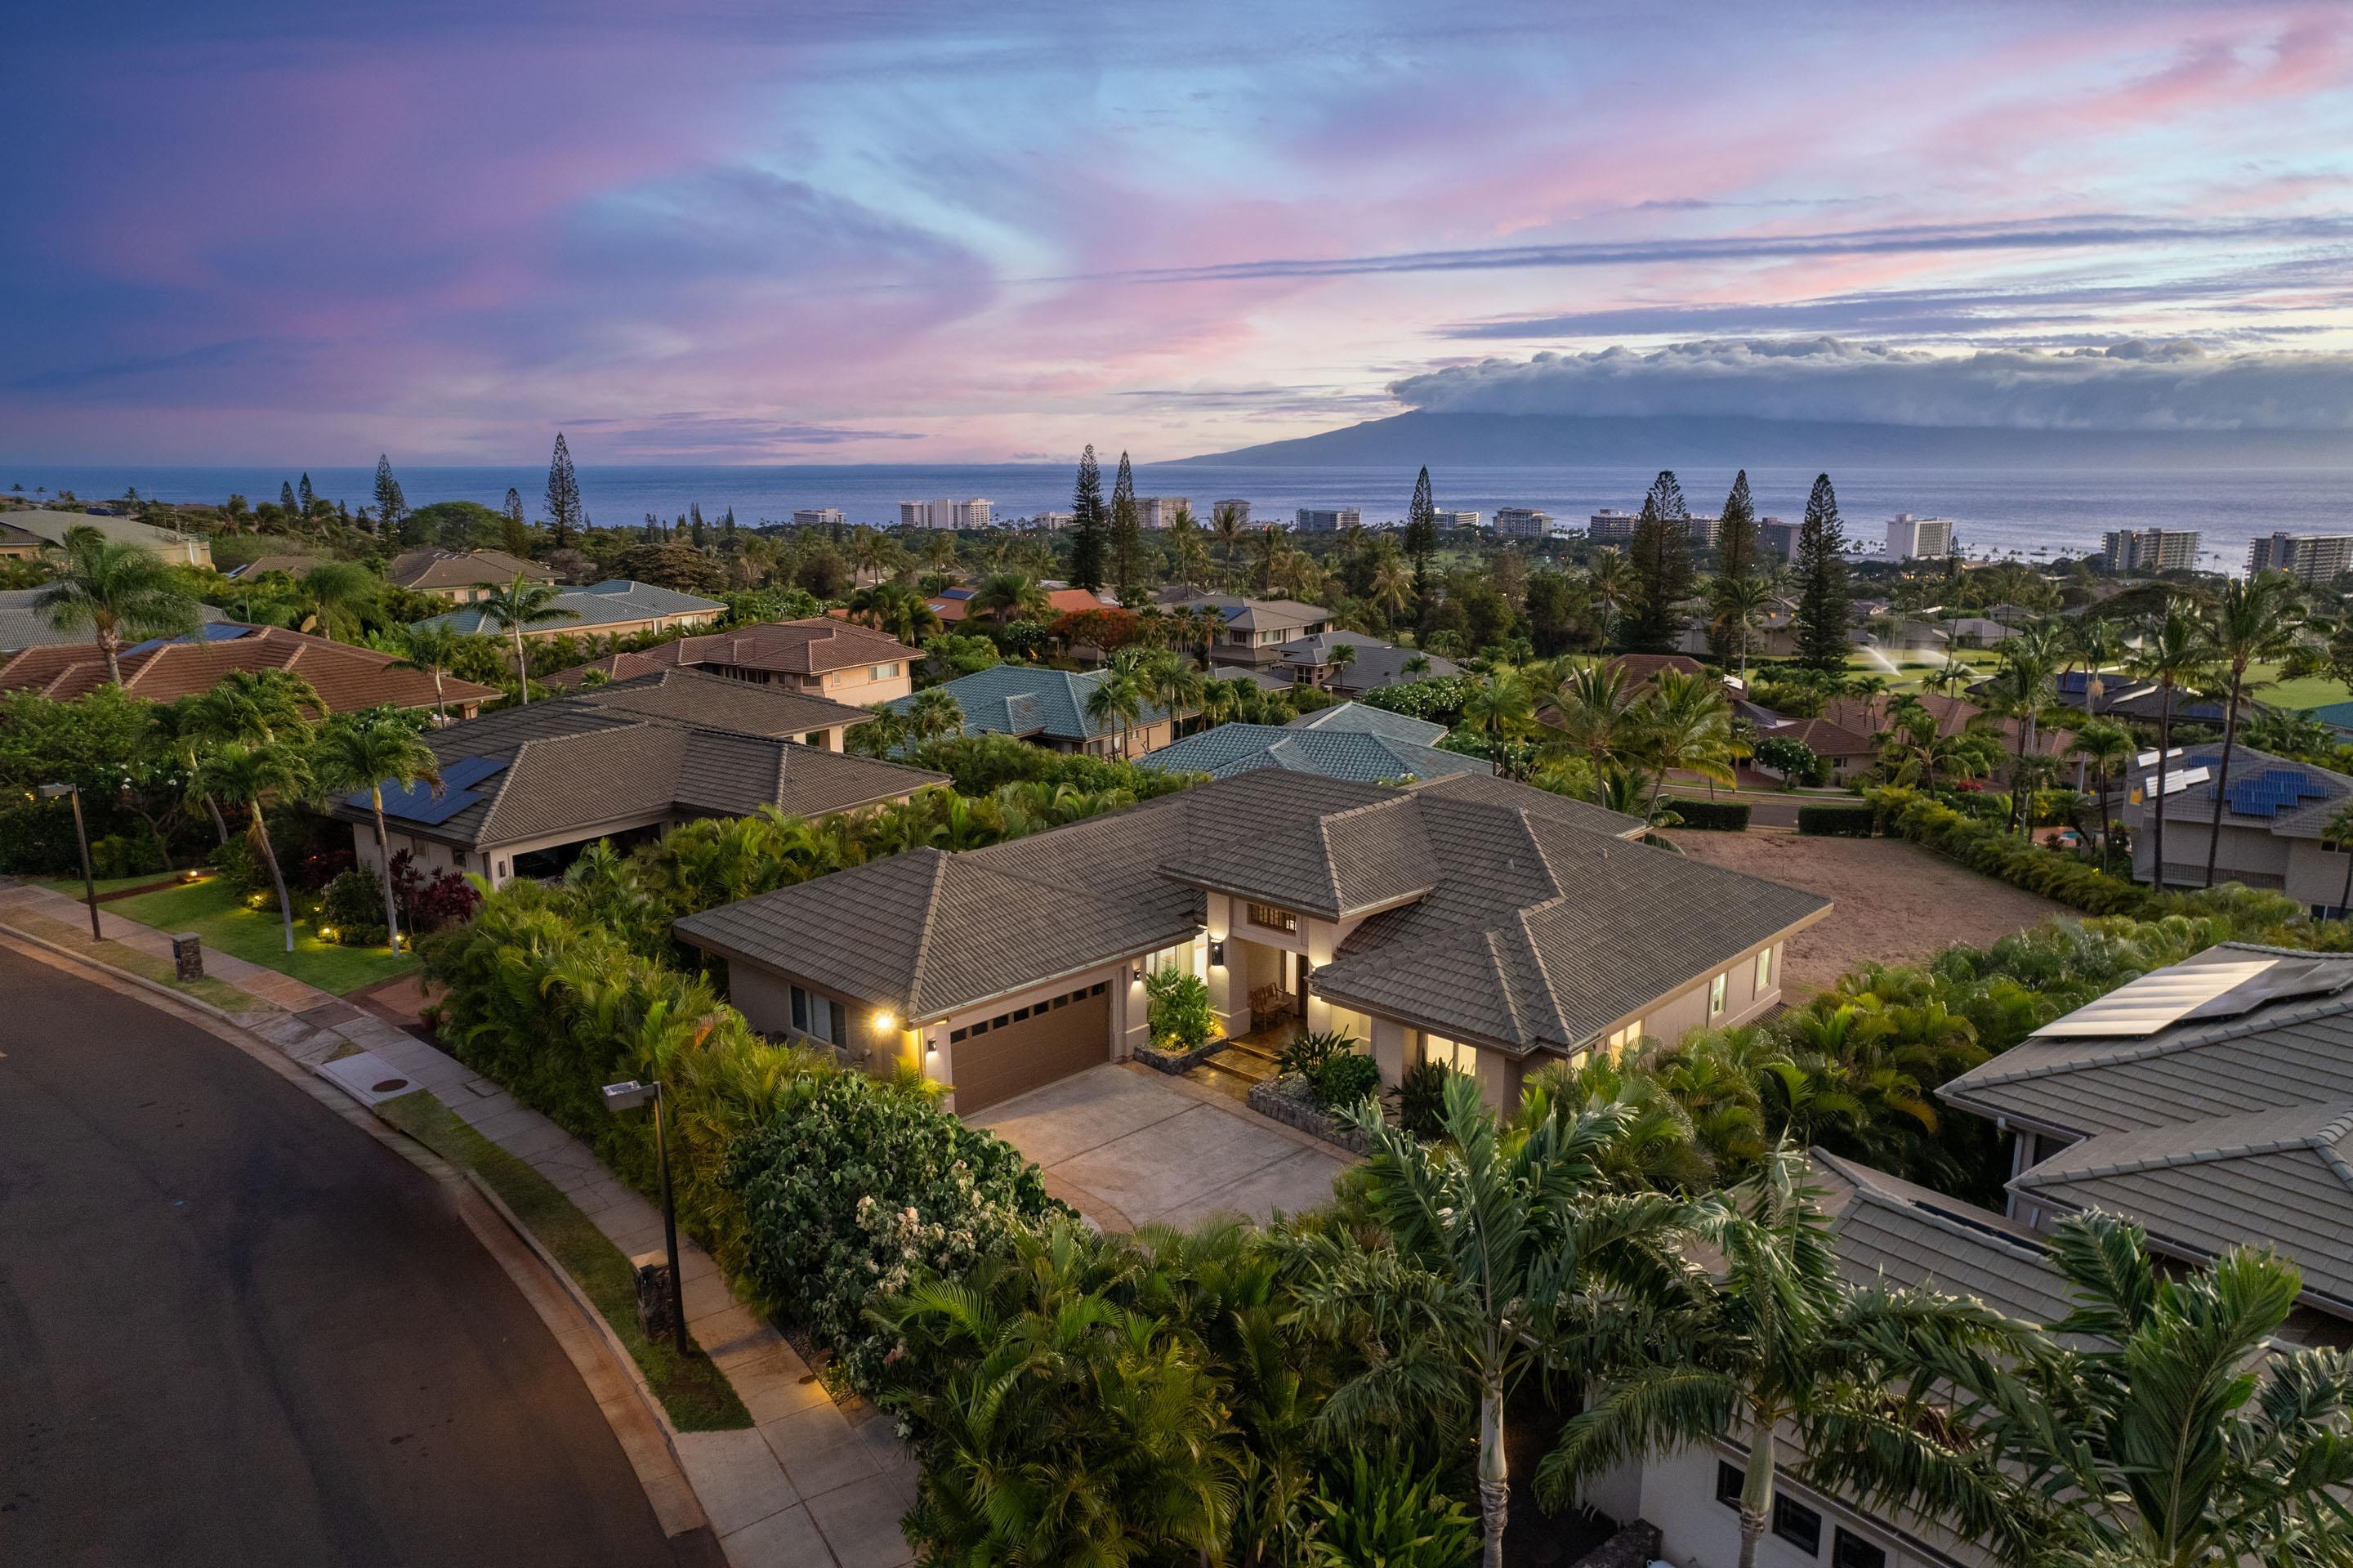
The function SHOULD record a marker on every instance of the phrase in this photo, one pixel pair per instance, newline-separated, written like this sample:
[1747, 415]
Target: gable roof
[2300, 808]
[1031, 699]
[345, 677]
[608, 603]
[426, 569]
[619, 754]
[1363, 718]
[1889, 1231]
[1466, 855]
[1246, 614]
[806, 647]
[292, 565]
[23, 626]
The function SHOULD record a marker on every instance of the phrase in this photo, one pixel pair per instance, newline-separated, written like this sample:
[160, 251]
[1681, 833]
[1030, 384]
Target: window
[1729, 1479]
[957, 1034]
[1450, 1052]
[1796, 1523]
[1020, 1013]
[1274, 919]
[1623, 1039]
[1096, 989]
[800, 1010]
[1765, 971]
[882, 672]
[1853, 1551]
[1716, 991]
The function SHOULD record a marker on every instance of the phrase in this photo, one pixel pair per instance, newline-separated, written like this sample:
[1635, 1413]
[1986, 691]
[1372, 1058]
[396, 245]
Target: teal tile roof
[1365, 759]
[600, 604]
[1027, 699]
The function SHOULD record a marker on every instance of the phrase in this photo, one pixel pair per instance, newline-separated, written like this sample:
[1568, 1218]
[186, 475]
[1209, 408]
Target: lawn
[1894, 902]
[697, 1395]
[2313, 692]
[71, 885]
[213, 910]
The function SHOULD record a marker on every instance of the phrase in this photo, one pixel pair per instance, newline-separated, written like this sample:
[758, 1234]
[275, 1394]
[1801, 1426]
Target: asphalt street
[236, 1330]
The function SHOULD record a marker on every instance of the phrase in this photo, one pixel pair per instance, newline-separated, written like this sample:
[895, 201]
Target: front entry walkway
[1127, 1147]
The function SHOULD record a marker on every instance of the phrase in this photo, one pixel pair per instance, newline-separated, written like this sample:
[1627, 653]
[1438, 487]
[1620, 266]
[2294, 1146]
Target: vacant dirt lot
[1895, 902]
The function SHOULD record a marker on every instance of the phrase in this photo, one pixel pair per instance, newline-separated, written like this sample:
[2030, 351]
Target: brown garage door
[1021, 1048]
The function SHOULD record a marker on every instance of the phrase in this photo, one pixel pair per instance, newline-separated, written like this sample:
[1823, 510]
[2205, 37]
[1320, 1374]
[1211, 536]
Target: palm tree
[115, 588]
[1915, 749]
[933, 716]
[433, 647]
[250, 706]
[1776, 1337]
[2175, 1429]
[1225, 522]
[1392, 583]
[1685, 723]
[2339, 832]
[364, 751]
[2174, 654]
[1171, 685]
[1740, 603]
[2107, 746]
[519, 604]
[1501, 706]
[1609, 580]
[247, 774]
[1117, 699]
[1506, 1251]
[896, 609]
[1342, 654]
[2021, 692]
[2252, 621]
[1273, 542]
[1417, 665]
[339, 594]
[2095, 644]
[1599, 711]
[1010, 595]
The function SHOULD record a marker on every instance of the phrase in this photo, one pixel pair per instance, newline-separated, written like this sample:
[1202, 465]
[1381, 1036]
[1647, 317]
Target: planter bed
[1289, 1101]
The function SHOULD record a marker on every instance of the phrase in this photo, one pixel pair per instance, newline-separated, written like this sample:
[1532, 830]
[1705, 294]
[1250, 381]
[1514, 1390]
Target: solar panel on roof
[417, 803]
[2154, 1001]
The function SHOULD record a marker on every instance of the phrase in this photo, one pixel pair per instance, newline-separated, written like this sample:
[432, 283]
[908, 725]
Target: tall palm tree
[1507, 1250]
[2174, 654]
[251, 774]
[1609, 580]
[250, 706]
[2095, 644]
[2108, 747]
[2174, 1430]
[1599, 711]
[432, 647]
[2252, 621]
[1341, 656]
[1685, 723]
[1740, 604]
[1011, 596]
[1117, 699]
[896, 609]
[1171, 685]
[1392, 584]
[519, 604]
[115, 589]
[1225, 522]
[1501, 706]
[2021, 692]
[1777, 1337]
[366, 750]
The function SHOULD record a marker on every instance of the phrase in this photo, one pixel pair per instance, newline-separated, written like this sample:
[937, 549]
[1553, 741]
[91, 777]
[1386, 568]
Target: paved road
[234, 1328]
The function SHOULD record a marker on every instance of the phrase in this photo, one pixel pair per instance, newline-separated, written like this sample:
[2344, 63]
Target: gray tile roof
[2307, 819]
[1028, 699]
[1887, 1229]
[2279, 1176]
[432, 568]
[53, 525]
[644, 749]
[1375, 664]
[601, 604]
[1608, 917]
[1336, 753]
[22, 626]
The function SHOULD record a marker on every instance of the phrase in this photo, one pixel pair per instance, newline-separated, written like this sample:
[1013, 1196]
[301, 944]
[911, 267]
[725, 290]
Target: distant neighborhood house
[462, 576]
[819, 656]
[618, 608]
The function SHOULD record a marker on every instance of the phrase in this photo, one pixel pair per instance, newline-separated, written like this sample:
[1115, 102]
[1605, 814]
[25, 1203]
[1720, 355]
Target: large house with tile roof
[461, 576]
[618, 608]
[1049, 707]
[1253, 631]
[2274, 824]
[50, 526]
[24, 624]
[1370, 666]
[1466, 920]
[164, 668]
[524, 790]
[1347, 740]
[818, 656]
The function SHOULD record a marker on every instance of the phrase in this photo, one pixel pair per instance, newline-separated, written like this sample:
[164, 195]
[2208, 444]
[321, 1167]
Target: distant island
[1548, 440]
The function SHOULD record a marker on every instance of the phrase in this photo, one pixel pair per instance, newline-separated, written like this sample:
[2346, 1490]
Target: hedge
[1838, 821]
[1986, 848]
[1718, 816]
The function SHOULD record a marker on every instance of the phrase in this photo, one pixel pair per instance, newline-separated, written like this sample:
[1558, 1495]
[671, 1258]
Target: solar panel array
[211, 631]
[417, 803]
[2272, 791]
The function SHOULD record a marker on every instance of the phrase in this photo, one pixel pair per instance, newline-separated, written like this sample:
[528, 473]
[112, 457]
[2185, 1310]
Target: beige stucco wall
[860, 687]
[1677, 1493]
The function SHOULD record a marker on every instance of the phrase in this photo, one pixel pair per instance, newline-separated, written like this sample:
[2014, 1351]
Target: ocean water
[2026, 513]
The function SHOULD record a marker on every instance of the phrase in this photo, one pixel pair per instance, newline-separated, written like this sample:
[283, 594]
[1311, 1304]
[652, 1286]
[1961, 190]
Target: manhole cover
[389, 1084]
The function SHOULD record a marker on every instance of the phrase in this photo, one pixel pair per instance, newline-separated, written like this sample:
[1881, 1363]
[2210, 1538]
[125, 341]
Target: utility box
[188, 955]
[652, 1272]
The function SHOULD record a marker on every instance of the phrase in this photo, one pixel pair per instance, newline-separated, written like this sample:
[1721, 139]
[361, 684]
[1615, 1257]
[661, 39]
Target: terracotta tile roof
[346, 678]
[790, 647]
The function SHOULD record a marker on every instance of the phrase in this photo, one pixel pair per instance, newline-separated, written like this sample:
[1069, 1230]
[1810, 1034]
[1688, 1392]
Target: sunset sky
[250, 232]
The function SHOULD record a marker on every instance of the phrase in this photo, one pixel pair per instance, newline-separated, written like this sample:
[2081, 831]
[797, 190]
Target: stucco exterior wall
[860, 685]
[1678, 1495]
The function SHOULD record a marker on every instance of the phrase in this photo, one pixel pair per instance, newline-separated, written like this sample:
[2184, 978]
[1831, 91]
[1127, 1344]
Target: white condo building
[1523, 522]
[1160, 511]
[1607, 526]
[2308, 557]
[1777, 541]
[818, 517]
[2150, 550]
[1324, 519]
[947, 513]
[1457, 520]
[1241, 508]
[1911, 538]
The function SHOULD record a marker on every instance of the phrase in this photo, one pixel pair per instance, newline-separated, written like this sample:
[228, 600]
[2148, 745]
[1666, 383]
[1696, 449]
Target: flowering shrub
[858, 1185]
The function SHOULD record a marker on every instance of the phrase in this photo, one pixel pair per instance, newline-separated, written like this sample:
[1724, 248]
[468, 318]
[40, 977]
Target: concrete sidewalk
[814, 1484]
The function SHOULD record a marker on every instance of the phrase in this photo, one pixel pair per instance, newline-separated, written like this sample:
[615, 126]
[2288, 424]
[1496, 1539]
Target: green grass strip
[213, 910]
[146, 965]
[696, 1393]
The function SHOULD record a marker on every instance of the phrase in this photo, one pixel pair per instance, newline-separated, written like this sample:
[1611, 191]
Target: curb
[158, 987]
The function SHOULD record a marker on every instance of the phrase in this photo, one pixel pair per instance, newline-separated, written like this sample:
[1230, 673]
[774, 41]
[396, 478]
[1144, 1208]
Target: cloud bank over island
[2131, 385]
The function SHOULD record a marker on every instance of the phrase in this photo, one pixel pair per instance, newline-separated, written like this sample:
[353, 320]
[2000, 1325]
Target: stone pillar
[188, 955]
[1228, 979]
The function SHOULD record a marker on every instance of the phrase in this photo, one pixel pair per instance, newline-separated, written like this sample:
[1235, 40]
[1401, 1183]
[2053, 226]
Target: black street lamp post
[629, 1095]
[81, 837]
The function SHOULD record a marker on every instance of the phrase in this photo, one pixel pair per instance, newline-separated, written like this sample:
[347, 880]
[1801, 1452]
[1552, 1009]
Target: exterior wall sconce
[1217, 952]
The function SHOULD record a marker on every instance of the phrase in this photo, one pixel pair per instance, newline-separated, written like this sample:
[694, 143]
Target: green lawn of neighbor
[71, 885]
[2313, 692]
[213, 910]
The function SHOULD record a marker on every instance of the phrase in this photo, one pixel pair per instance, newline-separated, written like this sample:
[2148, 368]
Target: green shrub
[1306, 1052]
[353, 899]
[239, 866]
[1838, 821]
[1985, 847]
[1344, 1078]
[857, 1186]
[1788, 756]
[1421, 1098]
[125, 855]
[1385, 1516]
[1716, 816]
[1178, 1009]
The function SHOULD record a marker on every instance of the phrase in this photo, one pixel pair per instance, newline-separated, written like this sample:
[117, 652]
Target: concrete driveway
[1127, 1147]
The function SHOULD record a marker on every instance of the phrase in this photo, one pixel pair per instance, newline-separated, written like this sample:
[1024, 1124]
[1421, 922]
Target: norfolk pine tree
[1126, 535]
[1736, 559]
[391, 506]
[563, 514]
[1822, 578]
[1422, 538]
[1660, 557]
[1087, 526]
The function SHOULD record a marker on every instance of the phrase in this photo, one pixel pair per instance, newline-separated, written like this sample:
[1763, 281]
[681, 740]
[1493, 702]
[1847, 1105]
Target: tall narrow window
[1765, 971]
[1716, 991]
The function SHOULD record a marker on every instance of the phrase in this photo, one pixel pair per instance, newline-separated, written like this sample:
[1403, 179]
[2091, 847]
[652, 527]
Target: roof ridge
[2320, 1141]
[2127, 1049]
[939, 876]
